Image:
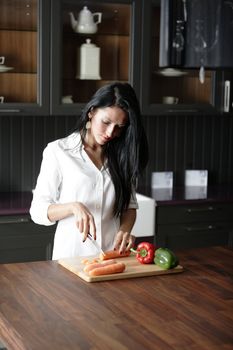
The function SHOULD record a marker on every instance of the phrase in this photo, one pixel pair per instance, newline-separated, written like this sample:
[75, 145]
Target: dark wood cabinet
[117, 38]
[41, 54]
[24, 46]
[193, 225]
[40, 45]
[197, 33]
[22, 240]
[189, 90]
[130, 38]
[204, 222]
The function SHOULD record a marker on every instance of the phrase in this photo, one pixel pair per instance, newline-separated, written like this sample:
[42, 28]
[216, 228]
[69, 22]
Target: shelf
[112, 49]
[188, 89]
[14, 30]
[114, 16]
[19, 15]
[12, 72]
[19, 49]
[80, 89]
[18, 87]
[83, 37]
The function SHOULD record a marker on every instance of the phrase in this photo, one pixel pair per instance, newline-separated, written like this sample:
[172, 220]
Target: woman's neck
[94, 151]
[89, 142]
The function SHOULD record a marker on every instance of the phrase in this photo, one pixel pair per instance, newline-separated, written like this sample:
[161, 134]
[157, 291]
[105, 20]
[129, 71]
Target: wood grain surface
[133, 269]
[44, 306]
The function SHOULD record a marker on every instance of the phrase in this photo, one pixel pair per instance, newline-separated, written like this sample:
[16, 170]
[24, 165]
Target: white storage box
[162, 179]
[196, 177]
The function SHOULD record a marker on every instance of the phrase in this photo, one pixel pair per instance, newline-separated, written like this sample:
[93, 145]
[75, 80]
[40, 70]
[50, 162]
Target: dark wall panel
[191, 142]
[22, 140]
[176, 143]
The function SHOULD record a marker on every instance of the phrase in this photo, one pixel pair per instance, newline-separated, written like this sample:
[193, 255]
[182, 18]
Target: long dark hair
[127, 155]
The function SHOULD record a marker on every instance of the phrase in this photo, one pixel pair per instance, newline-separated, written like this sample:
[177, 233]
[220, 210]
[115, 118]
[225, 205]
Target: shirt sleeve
[47, 187]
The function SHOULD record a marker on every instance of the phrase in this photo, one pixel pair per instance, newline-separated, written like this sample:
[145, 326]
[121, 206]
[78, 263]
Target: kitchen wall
[191, 142]
[22, 140]
[176, 143]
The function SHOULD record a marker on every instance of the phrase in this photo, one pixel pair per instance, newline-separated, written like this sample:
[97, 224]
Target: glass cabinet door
[169, 89]
[21, 61]
[92, 45]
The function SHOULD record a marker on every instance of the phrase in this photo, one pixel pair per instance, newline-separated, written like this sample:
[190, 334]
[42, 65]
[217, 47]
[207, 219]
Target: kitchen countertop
[192, 195]
[44, 306]
[18, 203]
[15, 203]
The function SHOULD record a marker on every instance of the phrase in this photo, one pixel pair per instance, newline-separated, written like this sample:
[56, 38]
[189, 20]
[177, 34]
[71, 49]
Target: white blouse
[67, 174]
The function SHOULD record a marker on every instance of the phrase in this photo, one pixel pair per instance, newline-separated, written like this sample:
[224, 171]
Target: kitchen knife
[96, 244]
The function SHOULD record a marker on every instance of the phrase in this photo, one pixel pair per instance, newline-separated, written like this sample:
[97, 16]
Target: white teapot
[87, 21]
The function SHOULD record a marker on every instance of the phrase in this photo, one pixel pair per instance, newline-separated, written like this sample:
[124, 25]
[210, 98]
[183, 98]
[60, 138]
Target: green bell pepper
[165, 258]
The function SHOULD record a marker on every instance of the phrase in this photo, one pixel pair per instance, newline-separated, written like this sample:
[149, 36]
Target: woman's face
[107, 123]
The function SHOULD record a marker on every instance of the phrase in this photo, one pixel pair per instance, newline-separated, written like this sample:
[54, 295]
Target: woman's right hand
[84, 220]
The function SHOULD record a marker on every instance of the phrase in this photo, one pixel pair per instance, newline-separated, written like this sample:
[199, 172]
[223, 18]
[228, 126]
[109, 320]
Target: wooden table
[44, 306]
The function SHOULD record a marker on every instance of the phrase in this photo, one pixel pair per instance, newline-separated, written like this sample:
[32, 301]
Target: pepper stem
[133, 250]
[143, 252]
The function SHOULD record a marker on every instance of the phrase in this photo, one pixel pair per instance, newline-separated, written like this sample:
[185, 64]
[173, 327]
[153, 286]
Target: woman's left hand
[124, 241]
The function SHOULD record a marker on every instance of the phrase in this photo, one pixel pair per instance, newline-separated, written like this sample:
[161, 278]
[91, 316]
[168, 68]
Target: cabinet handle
[197, 210]
[226, 107]
[193, 110]
[203, 228]
[10, 110]
[14, 220]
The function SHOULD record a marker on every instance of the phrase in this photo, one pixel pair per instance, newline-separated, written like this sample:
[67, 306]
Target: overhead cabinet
[24, 49]
[93, 43]
[197, 33]
[184, 51]
[58, 76]
[56, 53]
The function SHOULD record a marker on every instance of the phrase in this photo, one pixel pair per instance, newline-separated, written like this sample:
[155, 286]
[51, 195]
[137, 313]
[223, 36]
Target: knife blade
[95, 243]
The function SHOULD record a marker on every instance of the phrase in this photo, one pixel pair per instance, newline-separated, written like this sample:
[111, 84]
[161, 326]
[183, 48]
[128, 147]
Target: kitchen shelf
[18, 87]
[191, 94]
[14, 30]
[116, 37]
[25, 43]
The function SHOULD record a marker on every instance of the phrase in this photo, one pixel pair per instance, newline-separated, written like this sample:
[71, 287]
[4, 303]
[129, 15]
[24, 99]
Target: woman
[87, 180]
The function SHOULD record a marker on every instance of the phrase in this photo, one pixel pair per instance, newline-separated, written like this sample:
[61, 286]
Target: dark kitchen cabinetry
[116, 38]
[40, 47]
[130, 38]
[24, 50]
[199, 33]
[168, 84]
[184, 223]
[22, 240]
[184, 85]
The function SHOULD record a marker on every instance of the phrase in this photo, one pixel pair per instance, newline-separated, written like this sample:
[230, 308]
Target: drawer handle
[14, 220]
[197, 210]
[203, 228]
[10, 110]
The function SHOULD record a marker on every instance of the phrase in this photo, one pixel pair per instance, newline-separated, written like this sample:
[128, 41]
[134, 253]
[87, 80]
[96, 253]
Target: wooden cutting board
[133, 269]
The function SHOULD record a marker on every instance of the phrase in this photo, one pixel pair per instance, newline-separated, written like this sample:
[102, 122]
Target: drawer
[22, 240]
[194, 213]
[193, 235]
